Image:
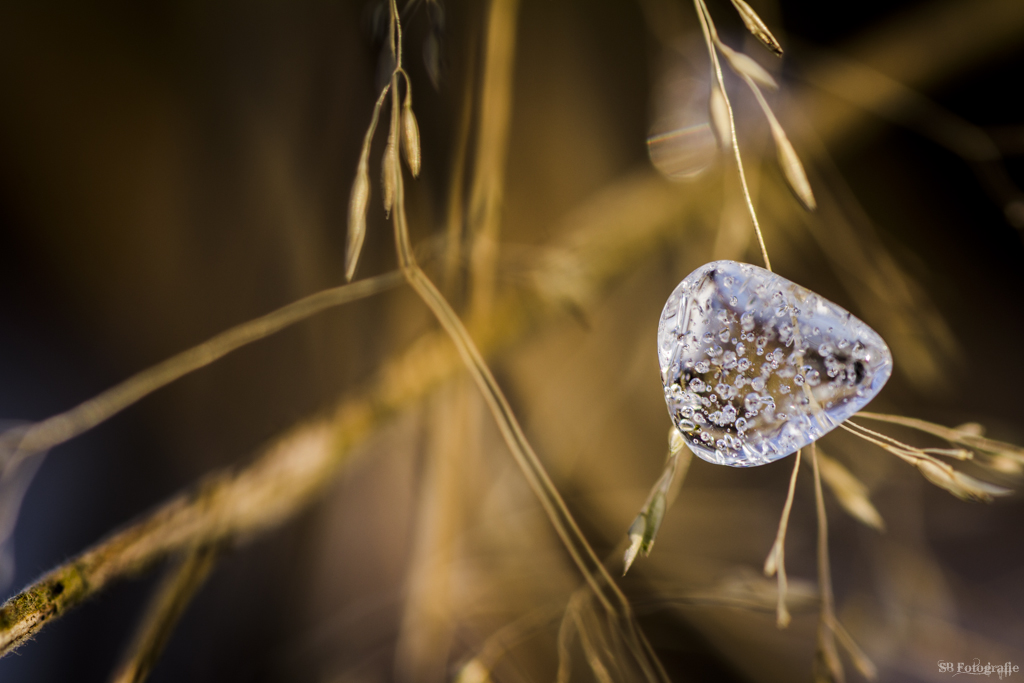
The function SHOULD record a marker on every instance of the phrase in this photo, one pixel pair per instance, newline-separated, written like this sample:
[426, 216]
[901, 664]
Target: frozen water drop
[836, 372]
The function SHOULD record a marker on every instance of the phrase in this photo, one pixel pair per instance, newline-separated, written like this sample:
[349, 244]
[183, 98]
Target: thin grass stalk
[909, 453]
[566, 633]
[169, 602]
[828, 656]
[592, 651]
[707, 27]
[565, 526]
[776, 560]
[275, 485]
[55, 430]
[950, 434]
[605, 589]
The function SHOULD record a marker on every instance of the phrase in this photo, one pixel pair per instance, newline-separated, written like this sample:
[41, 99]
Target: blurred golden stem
[452, 439]
[583, 556]
[172, 597]
[600, 581]
[592, 651]
[225, 506]
[478, 669]
[488, 188]
[299, 465]
[455, 220]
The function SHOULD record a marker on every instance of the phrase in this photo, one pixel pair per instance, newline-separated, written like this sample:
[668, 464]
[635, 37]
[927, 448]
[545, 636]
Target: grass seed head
[388, 169]
[757, 27]
[411, 137]
[792, 168]
[720, 117]
[744, 65]
[357, 218]
[961, 485]
[850, 491]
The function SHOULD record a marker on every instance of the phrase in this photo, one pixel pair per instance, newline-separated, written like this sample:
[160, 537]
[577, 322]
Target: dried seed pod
[357, 218]
[744, 65]
[411, 137]
[961, 485]
[792, 168]
[720, 116]
[850, 491]
[757, 27]
[388, 169]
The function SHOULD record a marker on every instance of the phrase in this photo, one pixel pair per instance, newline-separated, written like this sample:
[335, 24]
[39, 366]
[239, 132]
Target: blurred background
[171, 169]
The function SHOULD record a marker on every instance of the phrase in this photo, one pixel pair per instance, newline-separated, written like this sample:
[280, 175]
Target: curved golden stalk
[44, 435]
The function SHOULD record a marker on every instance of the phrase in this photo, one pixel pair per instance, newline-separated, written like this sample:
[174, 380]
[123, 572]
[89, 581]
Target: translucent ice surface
[756, 367]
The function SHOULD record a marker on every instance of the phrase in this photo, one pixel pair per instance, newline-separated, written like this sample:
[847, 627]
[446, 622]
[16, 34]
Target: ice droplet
[837, 363]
